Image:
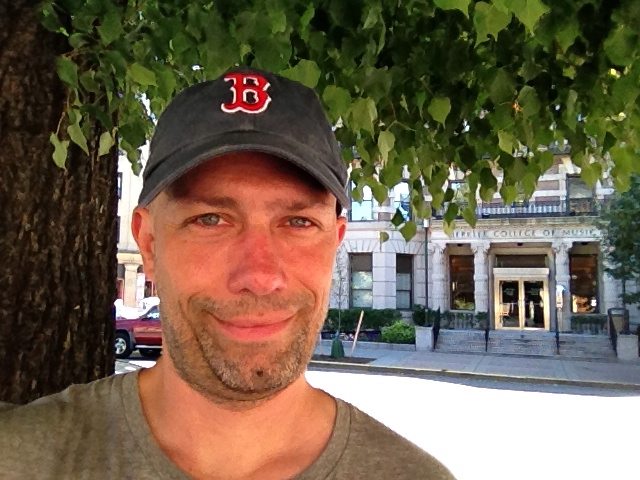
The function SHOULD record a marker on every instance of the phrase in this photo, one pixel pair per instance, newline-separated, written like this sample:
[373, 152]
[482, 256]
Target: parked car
[143, 334]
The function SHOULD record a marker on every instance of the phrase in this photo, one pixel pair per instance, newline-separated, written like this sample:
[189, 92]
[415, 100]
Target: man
[238, 224]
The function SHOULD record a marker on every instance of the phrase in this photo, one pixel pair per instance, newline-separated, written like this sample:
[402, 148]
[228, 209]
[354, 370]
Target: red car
[143, 334]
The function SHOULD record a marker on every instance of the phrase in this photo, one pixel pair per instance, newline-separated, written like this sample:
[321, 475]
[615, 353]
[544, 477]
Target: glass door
[533, 300]
[521, 301]
[509, 313]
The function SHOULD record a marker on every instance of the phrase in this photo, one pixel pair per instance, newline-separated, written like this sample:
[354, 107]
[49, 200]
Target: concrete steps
[526, 343]
[461, 341]
[576, 346]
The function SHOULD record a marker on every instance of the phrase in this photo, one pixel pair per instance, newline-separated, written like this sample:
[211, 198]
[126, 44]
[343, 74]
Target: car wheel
[150, 352]
[123, 345]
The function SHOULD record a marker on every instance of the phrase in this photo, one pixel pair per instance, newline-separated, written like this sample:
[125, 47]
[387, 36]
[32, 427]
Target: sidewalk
[599, 374]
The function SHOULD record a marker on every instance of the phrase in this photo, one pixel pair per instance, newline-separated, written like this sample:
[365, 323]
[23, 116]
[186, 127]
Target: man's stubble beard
[237, 374]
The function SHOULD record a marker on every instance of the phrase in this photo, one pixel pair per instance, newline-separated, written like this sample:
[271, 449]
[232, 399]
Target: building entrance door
[521, 298]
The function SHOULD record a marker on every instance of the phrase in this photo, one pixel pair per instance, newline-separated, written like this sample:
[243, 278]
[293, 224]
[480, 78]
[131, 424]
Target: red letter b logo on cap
[249, 93]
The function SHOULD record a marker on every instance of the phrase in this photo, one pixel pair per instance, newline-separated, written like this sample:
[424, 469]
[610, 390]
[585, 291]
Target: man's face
[242, 250]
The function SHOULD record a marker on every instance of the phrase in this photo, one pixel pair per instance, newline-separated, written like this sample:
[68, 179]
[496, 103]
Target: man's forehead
[234, 167]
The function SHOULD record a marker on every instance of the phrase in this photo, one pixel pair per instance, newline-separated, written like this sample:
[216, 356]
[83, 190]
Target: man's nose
[257, 265]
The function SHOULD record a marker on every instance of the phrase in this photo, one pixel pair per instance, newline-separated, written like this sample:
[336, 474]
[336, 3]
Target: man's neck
[282, 435]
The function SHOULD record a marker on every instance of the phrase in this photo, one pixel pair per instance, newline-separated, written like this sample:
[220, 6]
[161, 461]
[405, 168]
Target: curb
[431, 372]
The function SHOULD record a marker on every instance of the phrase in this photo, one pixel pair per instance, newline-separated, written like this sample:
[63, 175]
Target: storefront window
[584, 283]
[404, 280]
[361, 285]
[462, 291]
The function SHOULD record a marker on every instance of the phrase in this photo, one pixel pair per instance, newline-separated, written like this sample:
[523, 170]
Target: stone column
[436, 254]
[130, 284]
[481, 276]
[563, 277]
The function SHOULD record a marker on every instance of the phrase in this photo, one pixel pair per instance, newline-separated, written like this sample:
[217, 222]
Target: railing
[613, 334]
[486, 337]
[436, 328]
[538, 208]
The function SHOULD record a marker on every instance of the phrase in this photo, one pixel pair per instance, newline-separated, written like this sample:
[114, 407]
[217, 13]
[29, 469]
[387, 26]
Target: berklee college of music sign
[525, 233]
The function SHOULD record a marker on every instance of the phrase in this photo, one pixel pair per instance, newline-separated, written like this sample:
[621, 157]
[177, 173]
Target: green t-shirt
[98, 431]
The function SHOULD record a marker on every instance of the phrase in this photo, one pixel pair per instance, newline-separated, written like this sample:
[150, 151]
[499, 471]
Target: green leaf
[528, 100]
[374, 16]
[337, 100]
[452, 213]
[278, 21]
[621, 45]
[591, 173]
[489, 20]
[502, 88]
[379, 191]
[111, 28]
[105, 144]
[507, 142]
[439, 109]
[529, 184]
[527, 11]
[306, 72]
[409, 230]
[567, 35]
[384, 237]
[469, 216]
[77, 136]
[88, 82]
[386, 141]
[166, 82]
[462, 5]
[67, 71]
[141, 75]
[60, 150]
[398, 219]
[362, 114]
[509, 193]
[421, 97]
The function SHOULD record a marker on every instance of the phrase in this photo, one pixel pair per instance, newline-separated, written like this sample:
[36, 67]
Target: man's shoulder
[40, 419]
[393, 455]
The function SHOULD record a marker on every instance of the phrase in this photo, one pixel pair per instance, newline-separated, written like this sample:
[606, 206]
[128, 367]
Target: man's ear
[342, 229]
[142, 229]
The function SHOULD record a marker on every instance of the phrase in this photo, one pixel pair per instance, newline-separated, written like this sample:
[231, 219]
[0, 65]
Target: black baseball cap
[244, 110]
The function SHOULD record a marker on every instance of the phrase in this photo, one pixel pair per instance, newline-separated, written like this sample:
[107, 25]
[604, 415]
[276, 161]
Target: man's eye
[209, 220]
[300, 222]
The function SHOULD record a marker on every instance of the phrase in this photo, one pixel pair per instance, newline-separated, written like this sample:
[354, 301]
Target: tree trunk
[57, 239]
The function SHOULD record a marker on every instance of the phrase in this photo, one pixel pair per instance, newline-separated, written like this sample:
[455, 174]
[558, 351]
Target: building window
[402, 199]
[579, 196]
[404, 280]
[362, 211]
[584, 283]
[361, 285]
[119, 184]
[462, 292]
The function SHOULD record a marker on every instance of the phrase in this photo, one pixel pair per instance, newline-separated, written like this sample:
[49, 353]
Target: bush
[419, 315]
[372, 320]
[399, 332]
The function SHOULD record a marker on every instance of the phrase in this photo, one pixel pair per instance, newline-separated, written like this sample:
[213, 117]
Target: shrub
[588, 322]
[419, 315]
[399, 332]
[372, 320]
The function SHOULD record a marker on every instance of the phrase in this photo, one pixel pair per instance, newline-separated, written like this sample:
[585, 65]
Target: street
[498, 430]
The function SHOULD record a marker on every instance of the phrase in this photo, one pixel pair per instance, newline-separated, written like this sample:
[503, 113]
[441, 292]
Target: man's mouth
[253, 329]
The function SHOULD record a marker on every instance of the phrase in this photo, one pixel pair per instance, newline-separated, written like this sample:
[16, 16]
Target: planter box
[424, 339]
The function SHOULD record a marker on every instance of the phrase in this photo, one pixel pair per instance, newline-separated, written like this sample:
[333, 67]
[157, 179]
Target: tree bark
[57, 228]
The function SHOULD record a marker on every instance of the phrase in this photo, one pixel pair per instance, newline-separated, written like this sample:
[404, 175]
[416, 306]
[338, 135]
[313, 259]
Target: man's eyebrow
[296, 205]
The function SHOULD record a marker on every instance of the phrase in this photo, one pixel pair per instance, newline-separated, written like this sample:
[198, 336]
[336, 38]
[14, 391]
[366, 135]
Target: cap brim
[176, 165]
